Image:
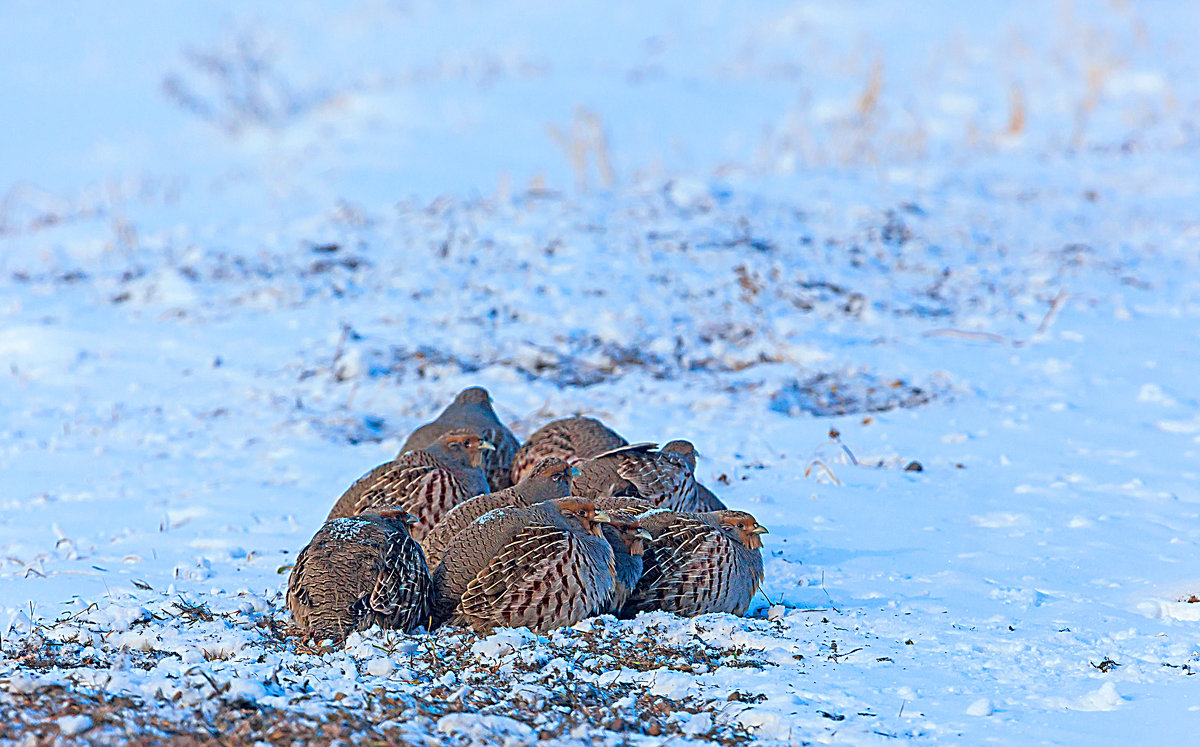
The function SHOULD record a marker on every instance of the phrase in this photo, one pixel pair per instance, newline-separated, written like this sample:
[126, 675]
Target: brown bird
[472, 409]
[699, 563]
[570, 439]
[358, 572]
[425, 483]
[542, 566]
[706, 500]
[659, 477]
[627, 539]
[550, 479]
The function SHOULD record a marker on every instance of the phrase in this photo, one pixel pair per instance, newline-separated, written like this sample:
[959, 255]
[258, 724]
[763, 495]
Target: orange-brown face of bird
[399, 514]
[631, 533]
[554, 469]
[585, 512]
[748, 530]
[467, 446]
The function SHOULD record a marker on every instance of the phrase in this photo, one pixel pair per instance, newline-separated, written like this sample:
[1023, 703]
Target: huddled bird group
[467, 526]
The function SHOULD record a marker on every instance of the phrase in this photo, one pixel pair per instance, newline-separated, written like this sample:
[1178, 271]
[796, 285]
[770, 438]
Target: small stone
[914, 466]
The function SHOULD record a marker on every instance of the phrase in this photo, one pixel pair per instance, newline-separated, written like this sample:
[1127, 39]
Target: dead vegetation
[584, 142]
[237, 85]
[832, 394]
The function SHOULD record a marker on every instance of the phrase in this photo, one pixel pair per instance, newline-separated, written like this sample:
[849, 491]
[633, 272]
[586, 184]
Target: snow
[981, 707]
[346, 528]
[486, 729]
[964, 238]
[69, 726]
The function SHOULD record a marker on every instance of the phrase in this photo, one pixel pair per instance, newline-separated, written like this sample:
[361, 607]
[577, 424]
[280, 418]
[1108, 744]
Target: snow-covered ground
[243, 252]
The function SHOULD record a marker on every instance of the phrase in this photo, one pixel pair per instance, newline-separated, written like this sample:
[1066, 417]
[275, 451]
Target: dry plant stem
[1016, 116]
[818, 463]
[1055, 306]
[587, 136]
[828, 595]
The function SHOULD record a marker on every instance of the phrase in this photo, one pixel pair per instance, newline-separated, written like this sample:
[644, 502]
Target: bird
[357, 572]
[472, 409]
[551, 478]
[541, 566]
[425, 483]
[698, 563]
[627, 538]
[571, 439]
[661, 477]
[706, 500]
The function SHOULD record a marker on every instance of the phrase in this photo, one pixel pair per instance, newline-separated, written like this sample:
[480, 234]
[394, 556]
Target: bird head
[585, 512]
[684, 449]
[463, 446]
[399, 514]
[550, 478]
[745, 526]
[631, 531]
[475, 395]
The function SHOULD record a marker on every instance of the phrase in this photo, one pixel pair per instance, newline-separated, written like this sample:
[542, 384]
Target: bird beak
[487, 446]
[602, 517]
[575, 472]
[643, 534]
[760, 529]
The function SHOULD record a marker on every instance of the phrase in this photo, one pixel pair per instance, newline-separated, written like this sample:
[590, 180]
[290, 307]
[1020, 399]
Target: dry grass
[586, 140]
[1016, 112]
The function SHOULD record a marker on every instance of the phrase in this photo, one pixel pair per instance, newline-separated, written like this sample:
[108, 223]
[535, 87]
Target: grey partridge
[472, 409]
[551, 478]
[357, 572]
[541, 566]
[706, 500]
[571, 439]
[661, 478]
[698, 563]
[425, 483]
[627, 538]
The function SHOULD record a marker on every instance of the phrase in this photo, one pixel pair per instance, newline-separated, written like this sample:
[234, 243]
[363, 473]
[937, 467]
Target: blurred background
[125, 109]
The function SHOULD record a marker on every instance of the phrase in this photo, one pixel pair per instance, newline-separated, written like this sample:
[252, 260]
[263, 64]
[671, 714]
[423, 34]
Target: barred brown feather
[569, 439]
[426, 483]
[550, 478]
[472, 409]
[542, 566]
[661, 478]
[698, 563]
[358, 572]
